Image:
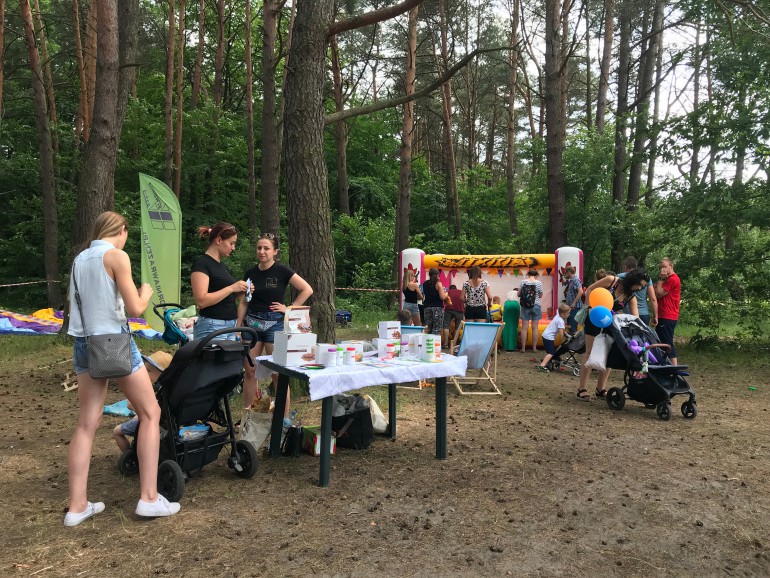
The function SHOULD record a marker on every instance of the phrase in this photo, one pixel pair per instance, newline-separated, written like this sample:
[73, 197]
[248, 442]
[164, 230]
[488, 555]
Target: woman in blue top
[106, 290]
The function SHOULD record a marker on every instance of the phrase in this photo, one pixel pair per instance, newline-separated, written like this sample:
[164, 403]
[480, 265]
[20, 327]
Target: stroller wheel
[128, 463]
[576, 371]
[170, 480]
[689, 409]
[248, 460]
[616, 399]
[554, 365]
[664, 410]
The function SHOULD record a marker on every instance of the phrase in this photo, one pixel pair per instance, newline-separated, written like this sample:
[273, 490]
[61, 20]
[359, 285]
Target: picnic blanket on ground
[49, 322]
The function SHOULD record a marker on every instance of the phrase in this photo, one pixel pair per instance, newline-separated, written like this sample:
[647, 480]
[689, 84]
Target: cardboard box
[297, 320]
[358, 345]
[322, 353]
[389, 330]
[294, 348]
[382, 346]
[311, 440]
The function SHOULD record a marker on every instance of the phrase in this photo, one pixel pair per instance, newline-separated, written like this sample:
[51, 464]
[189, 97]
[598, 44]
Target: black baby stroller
[653, 384]
[567, 352]
[172, 333]
[195, 420]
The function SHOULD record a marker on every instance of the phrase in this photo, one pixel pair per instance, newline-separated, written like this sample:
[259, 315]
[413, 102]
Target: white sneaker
[75, 518]
[158, 508]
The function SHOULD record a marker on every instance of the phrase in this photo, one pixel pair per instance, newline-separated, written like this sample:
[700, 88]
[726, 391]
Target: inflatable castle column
[410, 259]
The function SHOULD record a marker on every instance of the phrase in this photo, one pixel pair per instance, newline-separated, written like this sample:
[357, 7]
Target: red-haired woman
[214, 288]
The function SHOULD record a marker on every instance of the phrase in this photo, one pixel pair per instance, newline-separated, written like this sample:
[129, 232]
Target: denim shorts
[80, 356]
[128, 428]
[206, 325]
[266, 324]
[533, 313]
[413, 308]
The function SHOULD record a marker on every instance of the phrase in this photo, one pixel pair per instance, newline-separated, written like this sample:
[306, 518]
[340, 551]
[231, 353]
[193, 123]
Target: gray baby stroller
[649, 377]
[567, 352]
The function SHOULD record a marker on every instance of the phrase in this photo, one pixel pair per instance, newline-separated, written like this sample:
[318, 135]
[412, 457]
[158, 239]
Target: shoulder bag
[108, 355]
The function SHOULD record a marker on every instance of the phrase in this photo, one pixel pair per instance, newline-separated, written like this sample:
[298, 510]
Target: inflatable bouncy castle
[502, 272]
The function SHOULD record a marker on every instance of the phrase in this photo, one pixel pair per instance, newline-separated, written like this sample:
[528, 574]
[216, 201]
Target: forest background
[357, 129]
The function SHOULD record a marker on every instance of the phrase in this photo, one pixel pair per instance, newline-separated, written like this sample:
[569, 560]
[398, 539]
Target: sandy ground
[537, 483]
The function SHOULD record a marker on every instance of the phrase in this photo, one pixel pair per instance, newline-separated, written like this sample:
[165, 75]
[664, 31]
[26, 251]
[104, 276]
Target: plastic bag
[599, 352]
[379, 423]
[255, 427]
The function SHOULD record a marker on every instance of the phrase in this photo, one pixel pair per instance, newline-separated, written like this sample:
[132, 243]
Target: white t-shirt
[553, 328]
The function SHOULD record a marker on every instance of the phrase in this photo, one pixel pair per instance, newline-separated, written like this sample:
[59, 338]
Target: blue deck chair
[478, 342]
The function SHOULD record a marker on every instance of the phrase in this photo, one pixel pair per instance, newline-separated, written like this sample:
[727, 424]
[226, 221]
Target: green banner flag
[161, 244]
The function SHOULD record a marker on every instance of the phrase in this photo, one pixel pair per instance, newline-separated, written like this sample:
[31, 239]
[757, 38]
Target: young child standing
[496, 310]
[555, 329]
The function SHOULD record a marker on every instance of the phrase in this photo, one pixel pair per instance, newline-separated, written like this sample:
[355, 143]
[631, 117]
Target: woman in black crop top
[622, 290]
[214, 289]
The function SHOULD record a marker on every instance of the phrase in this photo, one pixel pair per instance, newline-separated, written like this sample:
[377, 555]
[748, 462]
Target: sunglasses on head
[267, 236]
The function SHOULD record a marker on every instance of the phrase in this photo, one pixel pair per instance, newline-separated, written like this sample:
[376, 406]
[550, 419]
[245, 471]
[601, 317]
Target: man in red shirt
[668, 291]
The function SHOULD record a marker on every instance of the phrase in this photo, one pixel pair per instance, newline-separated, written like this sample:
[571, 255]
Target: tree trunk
[589, 103]
[556, 120]
[219, 65]
[47, 178]
[510, 153]
[307, 193]
[250, 161]
[340, 133]
[450, 168]
[47, 78]
[128, 25]
[696, 64]
[604, 71]
[168, 169]
[179, 100]
[619, 180]
[271, 137]
[196, 88]
[648, 193]
[641, 131]
[2, 53]
[96, 192]
[90, 67]
[404, 203]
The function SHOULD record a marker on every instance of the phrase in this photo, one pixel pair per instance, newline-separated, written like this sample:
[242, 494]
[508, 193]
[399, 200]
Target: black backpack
[528, 295]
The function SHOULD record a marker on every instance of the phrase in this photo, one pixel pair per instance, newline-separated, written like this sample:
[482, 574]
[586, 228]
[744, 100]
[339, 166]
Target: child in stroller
[193, 397]
[567, 352]
[649, 378]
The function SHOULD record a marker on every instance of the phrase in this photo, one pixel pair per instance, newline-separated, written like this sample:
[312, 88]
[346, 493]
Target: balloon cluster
[601, 302]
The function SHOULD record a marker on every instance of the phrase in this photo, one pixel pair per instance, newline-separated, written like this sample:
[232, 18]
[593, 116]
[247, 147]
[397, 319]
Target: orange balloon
[601, 297]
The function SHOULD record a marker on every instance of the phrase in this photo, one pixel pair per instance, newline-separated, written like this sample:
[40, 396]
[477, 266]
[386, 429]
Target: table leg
[441, 418]
[326, 439]
[392, 410]
[276, 428]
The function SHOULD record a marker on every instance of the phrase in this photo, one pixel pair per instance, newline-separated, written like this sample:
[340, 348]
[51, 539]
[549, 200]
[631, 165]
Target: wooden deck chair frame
[480, 360]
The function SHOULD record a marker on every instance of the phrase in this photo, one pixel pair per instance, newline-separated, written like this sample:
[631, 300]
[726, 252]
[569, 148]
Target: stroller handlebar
[253, 336]
[157, 306]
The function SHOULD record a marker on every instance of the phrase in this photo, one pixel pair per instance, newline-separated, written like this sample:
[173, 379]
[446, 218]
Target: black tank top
[432, 298]
[410, 296]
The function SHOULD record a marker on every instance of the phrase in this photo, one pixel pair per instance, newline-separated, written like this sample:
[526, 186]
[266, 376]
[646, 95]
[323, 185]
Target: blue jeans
[205, 326]
[571, 323]
[80, 356]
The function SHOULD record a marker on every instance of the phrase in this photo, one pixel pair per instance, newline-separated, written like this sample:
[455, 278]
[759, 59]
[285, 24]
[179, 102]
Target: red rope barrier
[27, 283]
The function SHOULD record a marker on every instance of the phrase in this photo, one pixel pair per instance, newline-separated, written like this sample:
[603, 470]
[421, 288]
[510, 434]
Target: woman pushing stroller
[622, 291]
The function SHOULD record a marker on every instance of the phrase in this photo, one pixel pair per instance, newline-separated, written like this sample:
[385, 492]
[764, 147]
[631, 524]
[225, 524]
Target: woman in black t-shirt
[264, 307]
[214, 289]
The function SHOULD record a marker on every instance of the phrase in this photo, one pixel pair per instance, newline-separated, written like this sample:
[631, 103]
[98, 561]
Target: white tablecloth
[342, 378]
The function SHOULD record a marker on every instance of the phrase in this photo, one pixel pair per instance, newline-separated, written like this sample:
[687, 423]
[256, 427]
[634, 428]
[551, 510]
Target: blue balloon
[600, 316]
